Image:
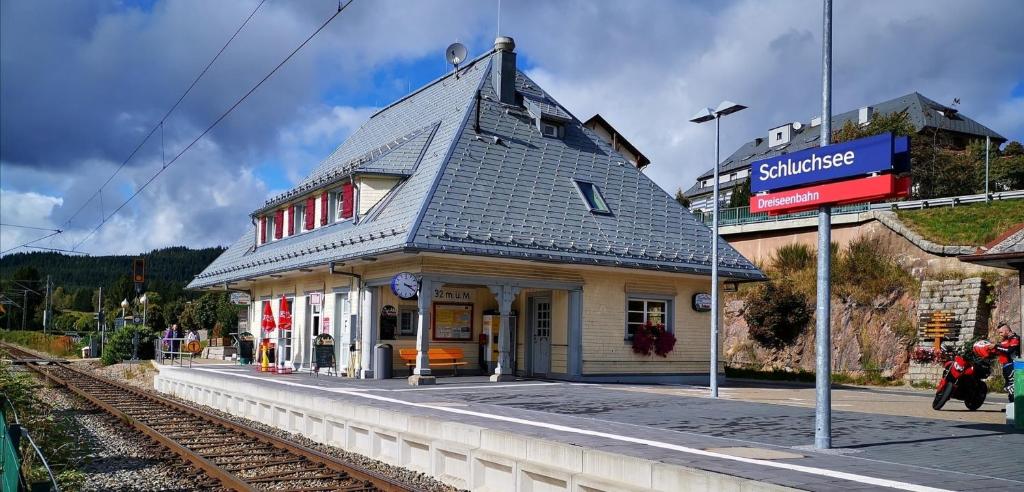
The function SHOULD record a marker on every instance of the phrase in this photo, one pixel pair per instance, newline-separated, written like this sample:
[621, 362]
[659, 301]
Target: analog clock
[405, 285]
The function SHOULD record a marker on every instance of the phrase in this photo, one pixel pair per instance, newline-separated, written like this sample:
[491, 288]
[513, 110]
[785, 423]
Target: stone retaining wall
[964, 298]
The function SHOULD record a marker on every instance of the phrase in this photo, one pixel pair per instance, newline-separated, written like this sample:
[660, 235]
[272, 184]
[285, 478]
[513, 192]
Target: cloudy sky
[82, 83]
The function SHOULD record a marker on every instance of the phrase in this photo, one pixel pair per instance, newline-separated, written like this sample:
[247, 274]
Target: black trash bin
[382, 361]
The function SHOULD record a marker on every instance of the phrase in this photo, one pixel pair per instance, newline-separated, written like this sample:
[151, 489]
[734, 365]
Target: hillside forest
[75, 283]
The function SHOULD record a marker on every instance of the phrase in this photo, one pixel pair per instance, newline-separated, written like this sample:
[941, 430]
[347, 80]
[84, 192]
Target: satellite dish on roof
[456, 54]
[797, 125]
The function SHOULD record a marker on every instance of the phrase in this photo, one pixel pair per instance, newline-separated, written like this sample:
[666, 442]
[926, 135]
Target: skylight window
[591, 196]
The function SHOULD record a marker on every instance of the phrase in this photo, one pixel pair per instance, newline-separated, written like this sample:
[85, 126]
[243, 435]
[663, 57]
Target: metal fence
[173, 350]
[742, 215]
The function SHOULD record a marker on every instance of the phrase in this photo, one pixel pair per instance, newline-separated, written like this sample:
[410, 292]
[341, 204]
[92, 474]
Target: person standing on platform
[176, 341]
[1007, 350]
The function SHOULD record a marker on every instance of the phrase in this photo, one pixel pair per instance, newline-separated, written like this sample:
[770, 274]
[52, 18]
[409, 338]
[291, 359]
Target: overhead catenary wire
[58, 250]
[341, 7]
[29, 243]
[160, 124]
[30, 227]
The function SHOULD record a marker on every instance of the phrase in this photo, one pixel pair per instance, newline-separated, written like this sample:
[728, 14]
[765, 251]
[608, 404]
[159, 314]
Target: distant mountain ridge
[174, 266]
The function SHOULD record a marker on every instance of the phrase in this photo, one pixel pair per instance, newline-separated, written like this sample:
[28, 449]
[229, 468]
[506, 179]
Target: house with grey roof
[476, 224]
[956, 129]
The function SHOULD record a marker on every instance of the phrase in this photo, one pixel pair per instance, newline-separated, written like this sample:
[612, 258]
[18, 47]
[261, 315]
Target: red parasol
[268, 318]
[284, 315]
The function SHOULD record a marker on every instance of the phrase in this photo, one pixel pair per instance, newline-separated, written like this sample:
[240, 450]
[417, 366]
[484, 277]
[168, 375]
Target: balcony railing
[742, 215]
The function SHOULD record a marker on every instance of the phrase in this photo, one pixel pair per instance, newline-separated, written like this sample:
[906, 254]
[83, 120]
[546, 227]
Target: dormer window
[592, 198]
[551, 130]
[299, 220]
[337, 201]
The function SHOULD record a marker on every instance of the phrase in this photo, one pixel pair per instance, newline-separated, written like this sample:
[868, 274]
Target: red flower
[653, 338]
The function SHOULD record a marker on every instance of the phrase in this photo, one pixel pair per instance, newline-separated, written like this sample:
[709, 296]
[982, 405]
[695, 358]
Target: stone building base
[929, 372]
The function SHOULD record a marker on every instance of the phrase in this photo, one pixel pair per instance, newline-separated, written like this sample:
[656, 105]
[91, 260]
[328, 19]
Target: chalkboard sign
[245, 346]
[323, 351]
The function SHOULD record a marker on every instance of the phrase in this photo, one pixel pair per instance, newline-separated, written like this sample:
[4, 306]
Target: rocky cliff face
[864, 338]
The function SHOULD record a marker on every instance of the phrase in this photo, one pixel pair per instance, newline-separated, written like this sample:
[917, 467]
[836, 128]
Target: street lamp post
[145, 305]
[702, 116]
[124, 307]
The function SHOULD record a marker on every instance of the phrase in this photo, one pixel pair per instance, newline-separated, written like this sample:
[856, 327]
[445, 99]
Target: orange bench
[437, 356]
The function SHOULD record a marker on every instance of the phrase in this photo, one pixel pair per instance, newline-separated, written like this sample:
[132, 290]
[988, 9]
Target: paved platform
[677, 425]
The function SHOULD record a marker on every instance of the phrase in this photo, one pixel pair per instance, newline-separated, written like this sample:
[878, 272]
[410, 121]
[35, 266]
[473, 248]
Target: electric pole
[47, 312]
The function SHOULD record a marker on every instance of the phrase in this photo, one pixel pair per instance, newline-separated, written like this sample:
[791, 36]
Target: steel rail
[355, 472]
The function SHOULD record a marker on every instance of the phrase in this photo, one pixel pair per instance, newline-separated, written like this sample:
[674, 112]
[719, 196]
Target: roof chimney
[503, 73]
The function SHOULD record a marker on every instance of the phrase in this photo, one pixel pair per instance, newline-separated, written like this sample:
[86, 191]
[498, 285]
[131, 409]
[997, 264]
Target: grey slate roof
[922, 112]
[511, 196]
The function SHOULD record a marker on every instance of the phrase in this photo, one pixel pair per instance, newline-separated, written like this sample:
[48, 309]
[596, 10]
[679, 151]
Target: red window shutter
[310, 213]
[291, 220]
[263, 229]
[278, 223]
[323, 208]
[346, 201]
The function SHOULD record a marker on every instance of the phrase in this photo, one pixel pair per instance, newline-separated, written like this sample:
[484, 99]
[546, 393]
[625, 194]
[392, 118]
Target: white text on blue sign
[820, 164]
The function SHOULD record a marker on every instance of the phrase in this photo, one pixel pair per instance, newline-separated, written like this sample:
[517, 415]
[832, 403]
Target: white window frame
[270, 228]
[647, 299]
[559, 131]
[300, 218]
[413, 314]
[333, 206]
[600, 206]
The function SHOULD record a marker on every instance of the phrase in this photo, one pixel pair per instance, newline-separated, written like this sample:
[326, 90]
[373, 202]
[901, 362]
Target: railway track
[236, 456]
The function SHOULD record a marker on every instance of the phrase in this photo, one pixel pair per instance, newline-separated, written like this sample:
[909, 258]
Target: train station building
[479, 216]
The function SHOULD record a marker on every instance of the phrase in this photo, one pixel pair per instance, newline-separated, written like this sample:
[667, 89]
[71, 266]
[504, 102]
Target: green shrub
[119, 345]
[65, 321]
[865, 271]
[776, 315]
[793, 257]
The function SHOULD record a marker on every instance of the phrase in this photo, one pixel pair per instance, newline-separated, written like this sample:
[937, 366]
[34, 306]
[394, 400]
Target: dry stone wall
[964, 298]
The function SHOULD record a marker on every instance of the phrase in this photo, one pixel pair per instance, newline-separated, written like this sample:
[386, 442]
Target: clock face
[405, 285]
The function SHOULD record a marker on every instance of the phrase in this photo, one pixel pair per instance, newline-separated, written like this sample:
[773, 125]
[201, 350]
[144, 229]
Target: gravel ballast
[143, 378]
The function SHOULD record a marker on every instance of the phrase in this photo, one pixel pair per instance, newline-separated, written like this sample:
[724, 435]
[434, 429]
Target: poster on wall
[388, 322]
[453, 321]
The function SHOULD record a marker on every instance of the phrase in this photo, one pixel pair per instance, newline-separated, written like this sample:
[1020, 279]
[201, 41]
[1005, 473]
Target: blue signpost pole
[823, 363]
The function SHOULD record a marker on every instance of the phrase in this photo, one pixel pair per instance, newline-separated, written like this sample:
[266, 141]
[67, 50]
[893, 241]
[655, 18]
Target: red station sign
[847, 191]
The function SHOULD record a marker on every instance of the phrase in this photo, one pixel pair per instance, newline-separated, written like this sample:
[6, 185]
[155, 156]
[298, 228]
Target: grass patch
[970, 225]
[923, 385]
[56, 345]
[56, 433]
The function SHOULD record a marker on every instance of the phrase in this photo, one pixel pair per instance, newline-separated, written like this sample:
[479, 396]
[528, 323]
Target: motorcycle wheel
[978, 399]
[942, 397]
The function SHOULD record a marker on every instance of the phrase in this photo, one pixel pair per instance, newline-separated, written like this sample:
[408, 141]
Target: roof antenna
[456, 54]
[499, 19]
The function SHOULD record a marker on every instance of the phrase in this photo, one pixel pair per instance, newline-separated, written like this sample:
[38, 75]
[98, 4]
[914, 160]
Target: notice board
[453, 321]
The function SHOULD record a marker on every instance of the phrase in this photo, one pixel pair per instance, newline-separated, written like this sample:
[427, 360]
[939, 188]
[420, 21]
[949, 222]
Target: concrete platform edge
[461, 455]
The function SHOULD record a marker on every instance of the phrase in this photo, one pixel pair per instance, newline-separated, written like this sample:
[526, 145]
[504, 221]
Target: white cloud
[25, 209]
[647, 68]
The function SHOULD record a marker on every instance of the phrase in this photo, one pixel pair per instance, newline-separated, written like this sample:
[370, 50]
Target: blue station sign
[859, 157]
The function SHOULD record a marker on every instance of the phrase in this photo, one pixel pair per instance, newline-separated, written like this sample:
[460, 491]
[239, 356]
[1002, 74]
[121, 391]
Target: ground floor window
[640, 311]
[407, 319]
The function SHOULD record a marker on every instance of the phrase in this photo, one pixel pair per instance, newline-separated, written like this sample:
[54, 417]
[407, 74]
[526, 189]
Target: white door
[287, 337]
[541, 336]
[342, 330]
[314, 320]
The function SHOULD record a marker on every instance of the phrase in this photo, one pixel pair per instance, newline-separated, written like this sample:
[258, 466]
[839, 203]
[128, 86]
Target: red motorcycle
[964, 379]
